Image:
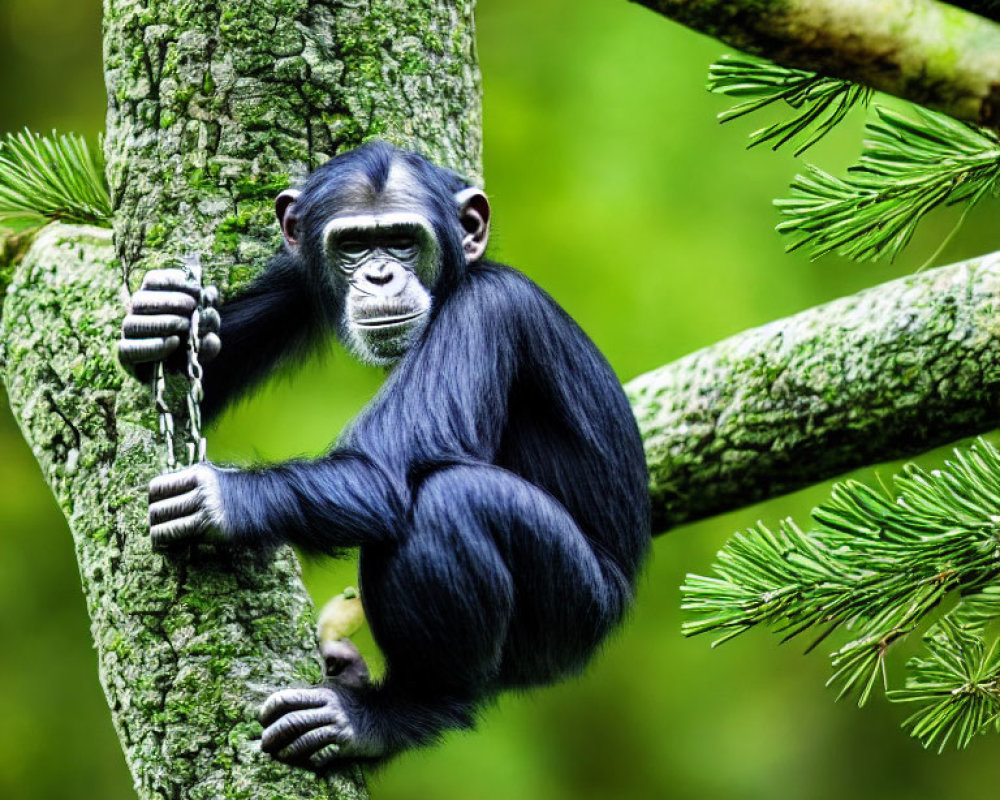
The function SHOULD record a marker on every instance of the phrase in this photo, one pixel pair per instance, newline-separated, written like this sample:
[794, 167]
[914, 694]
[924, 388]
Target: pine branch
[957, 683]
[820, 102]
[909, 167]
[44, 179]
[877, 565]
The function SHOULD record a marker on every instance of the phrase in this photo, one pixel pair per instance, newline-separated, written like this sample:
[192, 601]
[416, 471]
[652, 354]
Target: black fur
[496, 485]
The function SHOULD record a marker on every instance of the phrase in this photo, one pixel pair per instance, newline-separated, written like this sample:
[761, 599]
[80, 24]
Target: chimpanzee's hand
[186, 505]
[159, 318]
[312, 728]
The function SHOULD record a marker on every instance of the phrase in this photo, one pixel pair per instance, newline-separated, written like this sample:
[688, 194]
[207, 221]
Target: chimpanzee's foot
[344, 664]
[312, 728]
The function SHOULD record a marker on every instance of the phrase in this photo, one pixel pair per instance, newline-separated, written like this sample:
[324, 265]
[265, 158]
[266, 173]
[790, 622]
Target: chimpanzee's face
[377, 249]
[390, 260]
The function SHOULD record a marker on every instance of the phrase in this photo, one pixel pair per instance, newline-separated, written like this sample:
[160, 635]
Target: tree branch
[889, 372]
[984, 8]
[213, 107]
[925, 51]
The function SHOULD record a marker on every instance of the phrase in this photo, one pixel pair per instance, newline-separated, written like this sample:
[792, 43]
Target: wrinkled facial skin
[388, 260]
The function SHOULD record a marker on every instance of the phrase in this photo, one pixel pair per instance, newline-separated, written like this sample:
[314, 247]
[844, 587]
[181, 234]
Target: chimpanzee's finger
[292, 726]
[142, 326]
[286, 700]
[140, 351]
[173, 507]
[177, 530]
[309, 744]
[171, 484]
[172, 280]
[147, 301]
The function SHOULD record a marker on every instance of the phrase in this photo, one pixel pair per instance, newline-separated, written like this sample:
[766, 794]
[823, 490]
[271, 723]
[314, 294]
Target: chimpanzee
[496, 485]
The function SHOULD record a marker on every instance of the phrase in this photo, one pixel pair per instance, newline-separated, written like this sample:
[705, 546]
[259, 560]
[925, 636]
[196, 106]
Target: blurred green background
[615, 189]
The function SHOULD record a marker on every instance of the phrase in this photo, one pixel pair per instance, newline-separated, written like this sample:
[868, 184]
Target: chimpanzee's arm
[341, 500]
[273, 320]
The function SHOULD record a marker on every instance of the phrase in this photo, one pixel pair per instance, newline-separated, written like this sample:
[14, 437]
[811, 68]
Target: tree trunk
[213, 108]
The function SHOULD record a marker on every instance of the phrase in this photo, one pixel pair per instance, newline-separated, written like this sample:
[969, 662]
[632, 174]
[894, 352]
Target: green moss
[233, 229]
[156, 235]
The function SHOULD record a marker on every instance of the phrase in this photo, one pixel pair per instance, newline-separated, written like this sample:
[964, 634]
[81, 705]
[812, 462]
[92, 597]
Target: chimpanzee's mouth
[388, 321]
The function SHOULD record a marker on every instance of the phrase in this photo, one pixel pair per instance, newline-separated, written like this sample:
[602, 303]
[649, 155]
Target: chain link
[195, 444]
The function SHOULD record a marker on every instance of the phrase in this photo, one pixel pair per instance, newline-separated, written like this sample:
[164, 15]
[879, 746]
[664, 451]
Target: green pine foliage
[956, 684]
[910, 164]
[820, 103]
[47, 178]
[874, 567]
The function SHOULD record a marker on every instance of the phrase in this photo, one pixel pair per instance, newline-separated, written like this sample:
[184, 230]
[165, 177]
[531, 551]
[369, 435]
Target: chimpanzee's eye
[350, 253]
[352, 248]
[404, 247]
[404, 252]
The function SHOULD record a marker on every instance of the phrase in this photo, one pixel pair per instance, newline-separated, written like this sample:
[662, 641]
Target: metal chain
[195, 445]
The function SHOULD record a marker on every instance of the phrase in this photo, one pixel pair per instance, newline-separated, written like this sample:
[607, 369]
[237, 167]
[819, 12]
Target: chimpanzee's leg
[493, 586]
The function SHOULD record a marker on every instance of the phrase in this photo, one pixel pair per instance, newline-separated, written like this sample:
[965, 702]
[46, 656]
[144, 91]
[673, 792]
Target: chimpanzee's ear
[474, 214]
[284, 210]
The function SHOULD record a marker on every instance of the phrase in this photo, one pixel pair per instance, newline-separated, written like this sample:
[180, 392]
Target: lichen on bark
[890, 372]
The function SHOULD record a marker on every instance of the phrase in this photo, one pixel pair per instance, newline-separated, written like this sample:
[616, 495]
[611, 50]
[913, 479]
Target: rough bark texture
[925, 51]
[889, 372]
[213, 107]
[185, 657]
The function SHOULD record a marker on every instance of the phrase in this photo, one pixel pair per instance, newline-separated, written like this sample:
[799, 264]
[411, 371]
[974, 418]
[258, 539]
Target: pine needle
[821, 103]
[879, 565]
[910, 165]
[957, 685]
[46, 178]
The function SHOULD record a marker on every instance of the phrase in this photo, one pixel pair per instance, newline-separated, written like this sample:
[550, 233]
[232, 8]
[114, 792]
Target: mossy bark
[929, 52]
[890, 372]
[213, 108]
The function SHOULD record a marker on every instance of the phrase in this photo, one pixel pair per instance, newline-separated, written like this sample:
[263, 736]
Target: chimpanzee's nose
[384, 277]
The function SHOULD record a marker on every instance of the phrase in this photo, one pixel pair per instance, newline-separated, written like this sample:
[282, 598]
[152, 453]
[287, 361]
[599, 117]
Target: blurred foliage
[615, 188]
